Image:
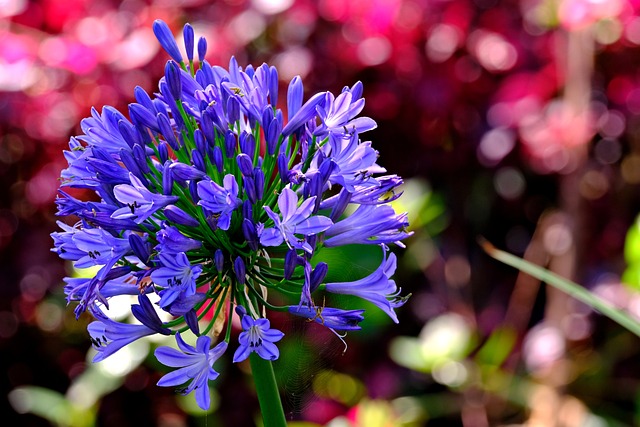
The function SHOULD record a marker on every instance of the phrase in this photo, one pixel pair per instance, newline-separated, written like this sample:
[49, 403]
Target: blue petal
[268, 351]
[171, 357]
[288, 203]
[241, 354]
[174, 378]
[203, 397]
[313, 225]
[271, 237]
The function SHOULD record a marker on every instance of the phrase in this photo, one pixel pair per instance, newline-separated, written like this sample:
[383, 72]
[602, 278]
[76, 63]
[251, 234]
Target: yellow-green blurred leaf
[498, 347]
[50, 405]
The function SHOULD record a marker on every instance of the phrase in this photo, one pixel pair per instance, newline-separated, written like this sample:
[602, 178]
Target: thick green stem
[267, 390]
[567, 286]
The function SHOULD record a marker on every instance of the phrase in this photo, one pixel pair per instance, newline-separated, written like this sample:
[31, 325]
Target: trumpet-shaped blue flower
[356, 162]
[256, 336]
[172, 241]
[377, 287]
[369, 224]
[140, 202]
[89, 247]
[195, 365]
[295, 220]
[109, 336]
[220, 200]
[338, 114]
[177, 276]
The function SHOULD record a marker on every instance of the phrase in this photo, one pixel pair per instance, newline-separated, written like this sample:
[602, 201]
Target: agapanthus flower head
[210, 197]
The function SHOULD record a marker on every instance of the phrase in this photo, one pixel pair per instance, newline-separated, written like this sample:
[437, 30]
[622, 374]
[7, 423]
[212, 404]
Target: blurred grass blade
[567, 286]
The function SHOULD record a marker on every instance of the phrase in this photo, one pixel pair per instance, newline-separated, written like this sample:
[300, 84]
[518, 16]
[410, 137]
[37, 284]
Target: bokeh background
[517, 121]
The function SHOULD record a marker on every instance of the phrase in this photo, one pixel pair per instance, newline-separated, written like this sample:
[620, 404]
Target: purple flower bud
[241, 311]
[177, 215]
[290, 262]
[245, 164]
[273, 86]
[233, 110]
[304, 114]
[117, 272]
[146, 314]
[193, 190]
[109, 172]
[143, 98]
[159, 106]
[163, 151]
[272, 135]
[294, 96]
[201, 143]
[140, 248]
[166, 39]
[129, 162]
[283, 168]
[167, 130]
[230, 142]
[217, 158]
[343, 201]
[183, 173]
[206, 125]
[129, 133]
[326, 169]
[141, 116]
[250, 189]
[191, 318]
[247, 144]
[140, 156]
[175, 112]
[167, 180]
[209, 151]
[247, 210]
[188, 36]
[225, 93]
[317, 275]
[202, 48]
[250, 234]
[258, 177]
[198, 161]
[172, 77]
[267, 116]
[240, 270]
[311, 240]
[218, 260]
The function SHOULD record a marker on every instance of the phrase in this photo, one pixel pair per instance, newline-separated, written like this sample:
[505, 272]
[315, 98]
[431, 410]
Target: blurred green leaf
[498, 347]
[631, 275]
[632, 244]
[51, 406]
[425, 208]
[350, 262]
[445, 338]
[407, 352]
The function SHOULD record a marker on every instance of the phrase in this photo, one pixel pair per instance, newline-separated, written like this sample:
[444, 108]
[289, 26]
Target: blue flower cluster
[209, 198]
